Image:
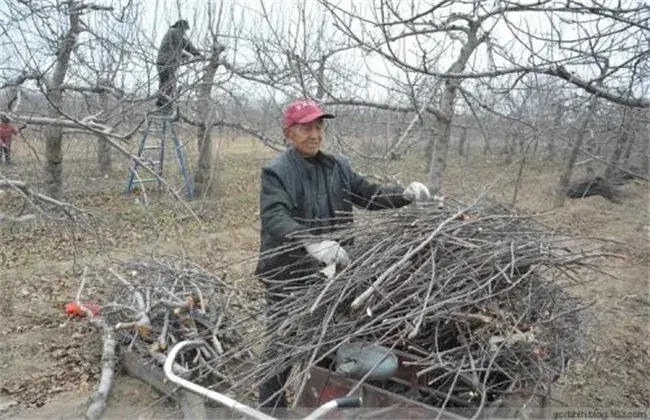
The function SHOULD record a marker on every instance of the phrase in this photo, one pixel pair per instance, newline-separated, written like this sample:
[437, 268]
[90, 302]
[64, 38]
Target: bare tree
[204, 169]
[467, 28]
[565, 178]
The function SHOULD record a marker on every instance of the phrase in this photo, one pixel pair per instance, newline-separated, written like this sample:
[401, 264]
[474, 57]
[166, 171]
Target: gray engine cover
[357, 359]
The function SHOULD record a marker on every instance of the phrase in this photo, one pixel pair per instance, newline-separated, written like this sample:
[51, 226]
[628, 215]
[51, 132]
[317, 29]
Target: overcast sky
[246, 18]
[243, 20]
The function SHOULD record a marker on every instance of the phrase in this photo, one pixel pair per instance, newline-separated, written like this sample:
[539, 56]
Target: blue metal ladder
[160, 127]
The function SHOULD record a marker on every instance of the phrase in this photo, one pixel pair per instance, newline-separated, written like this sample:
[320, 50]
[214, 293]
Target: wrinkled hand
[416, 191]
[328, 252]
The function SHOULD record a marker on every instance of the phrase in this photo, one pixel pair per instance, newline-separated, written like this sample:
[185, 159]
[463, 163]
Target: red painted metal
[324, 385]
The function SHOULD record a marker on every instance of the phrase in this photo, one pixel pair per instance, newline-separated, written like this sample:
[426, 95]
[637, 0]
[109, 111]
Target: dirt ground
[49, 364]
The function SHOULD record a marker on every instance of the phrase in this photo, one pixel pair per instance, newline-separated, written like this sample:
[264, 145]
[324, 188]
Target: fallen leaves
[76, 367]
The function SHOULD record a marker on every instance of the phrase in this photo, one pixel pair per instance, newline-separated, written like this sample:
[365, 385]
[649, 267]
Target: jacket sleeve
[275, 207]
[189, 47]
[371, 196]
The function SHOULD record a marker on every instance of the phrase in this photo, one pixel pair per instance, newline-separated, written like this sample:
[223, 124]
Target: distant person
[7, 131]
[173, 49]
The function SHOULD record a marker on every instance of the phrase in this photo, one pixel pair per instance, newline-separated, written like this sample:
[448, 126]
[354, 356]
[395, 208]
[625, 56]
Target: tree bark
[204, 175]
[621, 144]
[54, 134]
[439, 144]
[104, 161]
[645, 158]
[565, 178]
[462, 141]
[320, 89]
[628, 149]
[551, 145]
[636, 125]
[508, 148]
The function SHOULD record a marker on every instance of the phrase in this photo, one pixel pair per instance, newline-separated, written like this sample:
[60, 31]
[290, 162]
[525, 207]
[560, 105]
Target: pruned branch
[37, 201]
[384, 106]
[594, 89]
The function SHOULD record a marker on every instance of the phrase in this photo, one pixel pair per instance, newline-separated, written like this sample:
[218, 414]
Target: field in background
[46, 360]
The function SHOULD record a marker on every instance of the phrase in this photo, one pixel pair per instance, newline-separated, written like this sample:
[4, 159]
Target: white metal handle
[202, 391]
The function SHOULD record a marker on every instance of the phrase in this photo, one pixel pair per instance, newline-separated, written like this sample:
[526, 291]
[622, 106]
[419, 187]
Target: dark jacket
[172, 46]
[314, 194]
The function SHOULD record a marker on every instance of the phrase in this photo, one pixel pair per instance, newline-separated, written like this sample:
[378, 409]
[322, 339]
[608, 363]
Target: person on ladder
[173, 48]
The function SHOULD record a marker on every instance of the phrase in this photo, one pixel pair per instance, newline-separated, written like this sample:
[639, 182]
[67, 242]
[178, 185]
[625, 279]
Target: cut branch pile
[157, 304]
[472, 295]
[163, 303]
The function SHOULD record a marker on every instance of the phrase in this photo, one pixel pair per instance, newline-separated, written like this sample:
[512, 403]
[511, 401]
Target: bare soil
[49, 364]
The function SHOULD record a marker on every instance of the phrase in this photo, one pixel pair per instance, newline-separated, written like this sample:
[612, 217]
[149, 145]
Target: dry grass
[42, 262]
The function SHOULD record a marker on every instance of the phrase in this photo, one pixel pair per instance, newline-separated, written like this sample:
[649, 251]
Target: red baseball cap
[303, 111]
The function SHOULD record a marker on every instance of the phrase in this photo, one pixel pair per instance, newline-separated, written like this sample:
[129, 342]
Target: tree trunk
[508, 148]
[462, 141]
[204, 175]
[104, 161]
[440, 143]
[520, 174]
[628, 150]
[589, 146]
[203, 179]
[619, 148]
[551, 145]
[428, 147]
[635, 128]
[645, 158]
[320, 89]
[487, 135]
[54, 159]
[440, 146]
[565, 178]
[54, 135]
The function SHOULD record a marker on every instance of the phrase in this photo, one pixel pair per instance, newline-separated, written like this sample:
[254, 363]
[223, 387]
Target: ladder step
[161, 127]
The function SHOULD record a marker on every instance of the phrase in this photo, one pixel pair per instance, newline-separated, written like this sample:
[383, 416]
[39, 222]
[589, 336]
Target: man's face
[306, 138]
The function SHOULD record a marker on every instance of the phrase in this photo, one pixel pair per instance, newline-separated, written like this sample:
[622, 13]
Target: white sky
[242, 20]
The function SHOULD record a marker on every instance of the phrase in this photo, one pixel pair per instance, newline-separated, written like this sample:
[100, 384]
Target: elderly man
[306, 190]
[173, 48]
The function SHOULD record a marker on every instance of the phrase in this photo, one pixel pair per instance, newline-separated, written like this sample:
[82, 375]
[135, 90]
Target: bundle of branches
[471, 294]
[158, 303]
[164, 302]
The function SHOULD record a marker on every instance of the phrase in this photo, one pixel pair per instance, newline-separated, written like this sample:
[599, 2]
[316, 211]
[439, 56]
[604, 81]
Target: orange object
[76, 309]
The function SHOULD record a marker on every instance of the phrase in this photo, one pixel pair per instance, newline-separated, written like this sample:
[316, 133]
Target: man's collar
[321, 156]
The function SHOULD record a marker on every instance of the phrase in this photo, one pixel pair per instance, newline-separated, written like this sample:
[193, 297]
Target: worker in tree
[173, 49]
[7, 131]
[305, 189]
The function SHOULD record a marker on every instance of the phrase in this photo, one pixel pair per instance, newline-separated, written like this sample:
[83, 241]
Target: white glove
[329, 252]
[416, 191]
